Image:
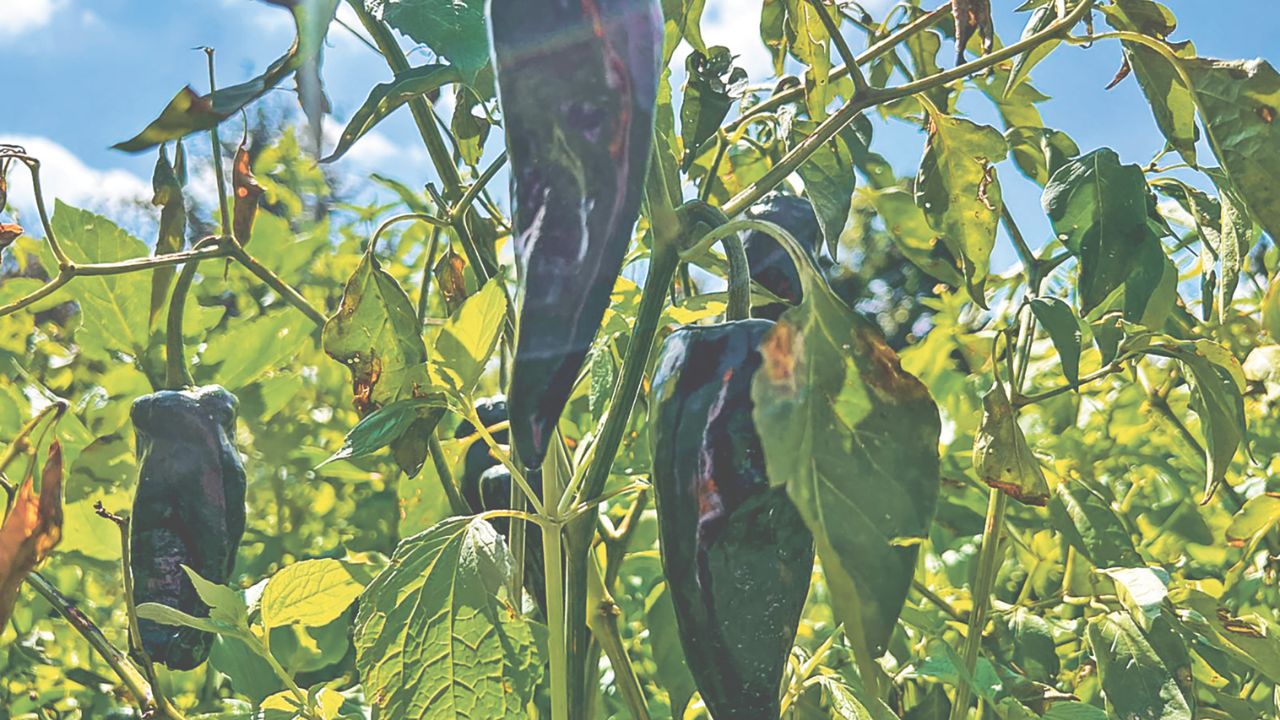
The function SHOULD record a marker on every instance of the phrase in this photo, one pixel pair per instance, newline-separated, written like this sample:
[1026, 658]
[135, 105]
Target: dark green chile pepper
[188, 510]
[770, 265]
[486, 485]
[736, 553]
[577, 82]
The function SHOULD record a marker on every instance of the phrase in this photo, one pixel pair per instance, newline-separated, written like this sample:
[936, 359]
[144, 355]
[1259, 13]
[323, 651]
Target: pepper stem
[739, 279]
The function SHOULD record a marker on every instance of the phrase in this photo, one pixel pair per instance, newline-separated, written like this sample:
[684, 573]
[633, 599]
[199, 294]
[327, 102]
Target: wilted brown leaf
[31, 530]
[971, 15]
[247, 191]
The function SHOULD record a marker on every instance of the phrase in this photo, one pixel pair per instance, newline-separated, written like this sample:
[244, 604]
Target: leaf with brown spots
[31, 530]
[450, 277]
[375, 333]
[854, 438]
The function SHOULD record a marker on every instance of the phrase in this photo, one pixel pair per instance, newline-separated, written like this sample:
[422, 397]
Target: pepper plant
[623, 439]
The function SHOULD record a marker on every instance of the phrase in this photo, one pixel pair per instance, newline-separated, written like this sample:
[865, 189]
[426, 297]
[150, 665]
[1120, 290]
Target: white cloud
[65, 177]
[23, 16]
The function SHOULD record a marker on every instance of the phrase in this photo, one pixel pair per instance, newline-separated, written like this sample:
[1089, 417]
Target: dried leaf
[9, 233]
[971, 15]
[31, 530]
[449, 275]
[247, 191]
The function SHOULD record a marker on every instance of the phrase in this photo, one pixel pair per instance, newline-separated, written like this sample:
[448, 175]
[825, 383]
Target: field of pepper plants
[657, 393]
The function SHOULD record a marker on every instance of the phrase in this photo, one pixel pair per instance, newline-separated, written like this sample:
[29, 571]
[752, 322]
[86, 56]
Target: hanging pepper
[770, 265]
[736, 553]
[188, 510]
[486, 485]
[577, 82]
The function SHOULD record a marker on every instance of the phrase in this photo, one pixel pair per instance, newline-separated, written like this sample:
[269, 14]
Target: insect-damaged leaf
[1001, 456]
[959, 192]
[972, 16]
[31, 530]
[708, 95]
[190, 112]
[854, 438]
[437, 637]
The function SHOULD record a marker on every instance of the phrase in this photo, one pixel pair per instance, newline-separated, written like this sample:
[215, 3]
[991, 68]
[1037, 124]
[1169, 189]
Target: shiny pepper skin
[770, 265]
[188, 510]
[736, 553]
[577, 82]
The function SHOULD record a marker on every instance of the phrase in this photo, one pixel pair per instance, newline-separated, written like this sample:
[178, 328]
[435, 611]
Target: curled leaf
[970, 16]
[9, 233]
[247, 192]
[31, 530]
[449, 275]
[1001, 456]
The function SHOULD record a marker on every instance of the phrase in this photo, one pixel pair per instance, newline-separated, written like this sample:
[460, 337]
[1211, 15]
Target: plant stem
[739, 279]
[224, 205]
[988, 567]
[177, 375]
[557, 640]
[457, 504]
[115, 659]
[602, 618]
[286, 291]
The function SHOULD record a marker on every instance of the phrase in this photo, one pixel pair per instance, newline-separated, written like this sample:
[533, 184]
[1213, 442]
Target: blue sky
[80, 75]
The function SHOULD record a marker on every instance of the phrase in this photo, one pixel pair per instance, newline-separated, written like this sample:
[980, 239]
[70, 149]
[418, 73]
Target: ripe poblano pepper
[486, 485]
[736, 553]
[577, 82]
[770, 265]
[188, 510]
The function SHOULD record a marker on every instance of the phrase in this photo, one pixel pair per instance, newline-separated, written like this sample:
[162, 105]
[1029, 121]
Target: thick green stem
[557, 622]
[739, 279]
[177, 375]
[988, 567]
[457, 504]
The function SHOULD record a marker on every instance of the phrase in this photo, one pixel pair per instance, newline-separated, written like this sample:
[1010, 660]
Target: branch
[842, 47]
[856, 105]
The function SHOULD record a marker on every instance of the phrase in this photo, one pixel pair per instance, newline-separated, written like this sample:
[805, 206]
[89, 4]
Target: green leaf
[959, 192]
[1098, 207]
[811, 45]
[1085, 517]
[467, 340]
[1151, 290]
[1143, 589]
[1134, 680]
[911, 233]
[1237, 239]
[1064, 330]
[453, 29]
[1240, 106]
[1170, 98]
[1251, 639]
[1039, 152]
[1258, 516]
[386, 425]
[386, 97]
[114, 308]
[1041, 18]
[375, 333]
[225, 605]
[251, 348]
[166, 615]
[1072, 710]
[829, 182]
[436, 637]
[1001, 457]
[1217, 397]
[831, 396]
[189, 112]
[311, 593]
